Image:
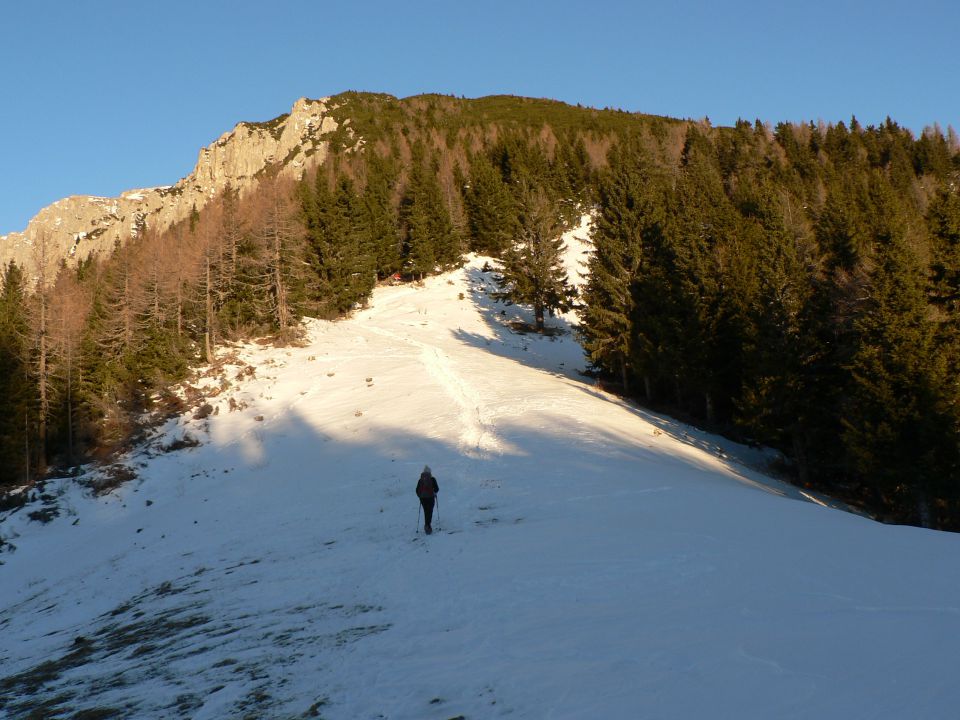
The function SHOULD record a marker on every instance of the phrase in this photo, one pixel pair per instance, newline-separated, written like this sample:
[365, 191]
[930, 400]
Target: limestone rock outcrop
[81, 225]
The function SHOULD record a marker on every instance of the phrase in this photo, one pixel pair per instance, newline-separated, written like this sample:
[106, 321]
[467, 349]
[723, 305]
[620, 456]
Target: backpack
[425, 486]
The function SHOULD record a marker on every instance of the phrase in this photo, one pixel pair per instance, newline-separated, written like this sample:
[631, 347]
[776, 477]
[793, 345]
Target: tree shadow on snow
[562, 356]
[556, 351]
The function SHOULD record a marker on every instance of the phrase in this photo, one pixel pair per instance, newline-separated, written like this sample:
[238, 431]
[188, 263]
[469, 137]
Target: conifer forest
[795, 286]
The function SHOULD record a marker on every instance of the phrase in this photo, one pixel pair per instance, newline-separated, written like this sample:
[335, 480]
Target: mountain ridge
[79, 226]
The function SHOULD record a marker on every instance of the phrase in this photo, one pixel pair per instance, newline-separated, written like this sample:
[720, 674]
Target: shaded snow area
[591, 560]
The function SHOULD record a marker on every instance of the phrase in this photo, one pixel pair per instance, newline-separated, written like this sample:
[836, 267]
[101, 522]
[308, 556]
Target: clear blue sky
[97, 97]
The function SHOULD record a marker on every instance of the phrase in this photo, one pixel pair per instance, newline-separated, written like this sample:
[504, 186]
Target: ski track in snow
[593, 560]
[477, 436]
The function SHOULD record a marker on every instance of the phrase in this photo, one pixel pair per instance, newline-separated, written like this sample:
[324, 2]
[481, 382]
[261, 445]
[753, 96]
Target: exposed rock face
[80, 225]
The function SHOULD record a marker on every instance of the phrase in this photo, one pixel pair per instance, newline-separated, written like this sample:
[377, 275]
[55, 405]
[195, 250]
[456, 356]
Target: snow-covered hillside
[593, 560]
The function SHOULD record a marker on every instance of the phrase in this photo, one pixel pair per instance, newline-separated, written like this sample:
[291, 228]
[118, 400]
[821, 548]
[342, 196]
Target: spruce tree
[341, 233]
[769, 406]
[16, 390]
[533, 272]
[317, 209]
[573, 163]
[354, 273]
[431, 241]
[943, 220]
[901, 423]
[701, 231]
[631, 210]
[379, 218]
[491, 212]
[105, 347]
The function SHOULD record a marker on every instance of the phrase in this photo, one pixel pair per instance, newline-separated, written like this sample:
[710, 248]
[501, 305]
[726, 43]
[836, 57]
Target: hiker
[427, 490]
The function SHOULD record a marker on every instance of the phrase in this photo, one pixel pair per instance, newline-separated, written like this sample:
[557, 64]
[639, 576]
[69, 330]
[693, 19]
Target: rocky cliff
[80, 225]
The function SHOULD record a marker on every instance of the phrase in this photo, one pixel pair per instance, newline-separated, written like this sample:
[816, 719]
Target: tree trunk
[647, 388]
[26, 446]
[179, 284]
[207, 339]
[127, 310]
[41, 329]
[279, 286]
[66, 340]
[70, 409]
[43, 378]
[538, 313]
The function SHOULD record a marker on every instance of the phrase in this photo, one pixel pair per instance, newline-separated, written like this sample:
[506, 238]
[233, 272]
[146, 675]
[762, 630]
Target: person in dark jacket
[427, 490]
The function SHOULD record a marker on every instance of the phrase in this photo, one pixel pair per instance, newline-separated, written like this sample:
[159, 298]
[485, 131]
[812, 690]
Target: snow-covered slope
[593, 560]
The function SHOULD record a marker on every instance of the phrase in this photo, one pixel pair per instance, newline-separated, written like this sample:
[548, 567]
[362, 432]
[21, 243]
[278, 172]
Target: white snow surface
[592, 560]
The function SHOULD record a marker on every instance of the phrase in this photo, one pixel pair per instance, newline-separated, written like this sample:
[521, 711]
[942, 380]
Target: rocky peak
[81, 225]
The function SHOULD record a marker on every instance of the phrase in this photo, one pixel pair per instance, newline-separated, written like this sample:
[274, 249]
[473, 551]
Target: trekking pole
[418, 518]
[438, 512]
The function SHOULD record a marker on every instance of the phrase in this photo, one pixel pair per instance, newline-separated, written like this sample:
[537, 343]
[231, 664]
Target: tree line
[799, 288]
[796, 286]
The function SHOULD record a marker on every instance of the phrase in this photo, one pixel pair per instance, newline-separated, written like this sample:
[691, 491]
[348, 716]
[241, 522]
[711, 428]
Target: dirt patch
[525, 328]
[110, 478]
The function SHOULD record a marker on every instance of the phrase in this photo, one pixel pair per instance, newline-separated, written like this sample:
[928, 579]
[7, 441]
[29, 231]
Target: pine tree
[109, 381]
[573, 162]
[702, 231]
[943, 219]
[16, 390]
[901, 425]
[341, 252]
[379, 220]
[777, 361]
[631, 210]
[932, 153]
[351, 273]
[431, 241]
[533, 272]
[316, 202]
[491, 213]
[118, 305]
